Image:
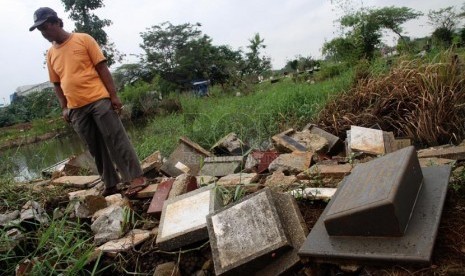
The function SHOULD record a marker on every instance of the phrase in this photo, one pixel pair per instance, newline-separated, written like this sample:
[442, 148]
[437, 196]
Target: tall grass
[255, 117]
[418, 98]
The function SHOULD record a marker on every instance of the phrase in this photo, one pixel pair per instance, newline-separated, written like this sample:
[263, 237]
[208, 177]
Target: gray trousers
[98, 125]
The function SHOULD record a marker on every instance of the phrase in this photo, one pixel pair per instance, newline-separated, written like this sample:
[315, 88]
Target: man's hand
[116, 103]
[65, 114]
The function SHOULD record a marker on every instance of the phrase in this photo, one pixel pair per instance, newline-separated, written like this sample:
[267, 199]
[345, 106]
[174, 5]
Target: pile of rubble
[379, 187]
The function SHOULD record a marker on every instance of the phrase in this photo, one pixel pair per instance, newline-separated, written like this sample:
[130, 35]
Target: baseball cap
[41, 15]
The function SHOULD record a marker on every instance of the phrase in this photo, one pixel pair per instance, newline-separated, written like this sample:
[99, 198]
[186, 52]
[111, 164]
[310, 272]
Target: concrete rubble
[264, 232]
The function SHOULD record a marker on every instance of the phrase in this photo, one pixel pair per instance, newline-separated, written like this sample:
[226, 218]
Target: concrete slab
[187, 153]
[415, 246]
[292, 163]
[221, 165]
[451, 152]
[366, 140]
[386, 187]
[163, 190]
[148, 191]
[312, 142]
[245, 236]
[296, 230]
[77, 181]
[203, 180]
[183, 219]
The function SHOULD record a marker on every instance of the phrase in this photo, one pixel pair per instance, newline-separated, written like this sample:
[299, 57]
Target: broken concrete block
[368, 140]
[77, 181]
[221, 165]
[86, 207]
[259, 161]
[279, 180]
[33, 212]
[108, 225]
[81, 164]
[334, 143]
[116, 199]
[284, 143]
[182, 184]
[238, 178]
[152, 162]
[393, 187]
[258, 235]
[292, 163]
[230, 145]
[324, 194]
[183, 219]
[203, 180]
[167, 269]
[163, 190]
[452, 152]
[131, 240]
[330, 170]
[188, 154]
[6, 219]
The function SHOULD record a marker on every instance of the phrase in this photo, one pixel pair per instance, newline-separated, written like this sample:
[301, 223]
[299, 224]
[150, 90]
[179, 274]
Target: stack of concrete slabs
[183, 220]
[414, 245]
[259, 235]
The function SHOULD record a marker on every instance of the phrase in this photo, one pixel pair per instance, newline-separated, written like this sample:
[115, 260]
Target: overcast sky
[289, 27]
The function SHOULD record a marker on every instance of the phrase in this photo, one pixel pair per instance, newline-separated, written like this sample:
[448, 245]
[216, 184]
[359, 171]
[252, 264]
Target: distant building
[28, 89]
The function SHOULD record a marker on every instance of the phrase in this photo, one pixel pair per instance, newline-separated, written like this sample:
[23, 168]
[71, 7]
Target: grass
[255, 117]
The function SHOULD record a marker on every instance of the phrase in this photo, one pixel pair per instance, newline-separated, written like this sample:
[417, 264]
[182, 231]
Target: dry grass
[418, 99]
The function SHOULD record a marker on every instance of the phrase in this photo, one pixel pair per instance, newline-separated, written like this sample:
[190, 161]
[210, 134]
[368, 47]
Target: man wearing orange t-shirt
[87, 95]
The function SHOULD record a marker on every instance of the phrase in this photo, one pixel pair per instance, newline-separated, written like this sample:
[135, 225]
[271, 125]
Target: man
[85, 89]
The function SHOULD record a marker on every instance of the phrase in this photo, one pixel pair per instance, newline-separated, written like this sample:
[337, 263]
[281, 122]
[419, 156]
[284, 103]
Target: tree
[87, 22]
[445, 22]
[256, 64]
[180, 54]
[362, 31]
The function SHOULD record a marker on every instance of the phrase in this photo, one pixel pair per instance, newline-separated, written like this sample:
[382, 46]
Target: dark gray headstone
[386, 188]
[416, 243]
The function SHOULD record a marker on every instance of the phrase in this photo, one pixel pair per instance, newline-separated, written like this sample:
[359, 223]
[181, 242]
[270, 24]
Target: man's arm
[62, 100]
[107, 79]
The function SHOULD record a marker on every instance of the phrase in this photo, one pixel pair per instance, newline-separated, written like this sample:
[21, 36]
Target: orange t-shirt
[72, 64]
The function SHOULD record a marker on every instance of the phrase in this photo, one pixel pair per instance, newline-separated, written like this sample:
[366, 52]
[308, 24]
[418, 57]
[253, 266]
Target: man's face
[48, 31]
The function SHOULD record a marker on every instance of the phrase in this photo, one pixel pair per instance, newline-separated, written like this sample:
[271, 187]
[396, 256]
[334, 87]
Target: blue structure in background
[200, 88]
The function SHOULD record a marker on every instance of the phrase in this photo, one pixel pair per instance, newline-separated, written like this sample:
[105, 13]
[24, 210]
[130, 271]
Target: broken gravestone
[187, 155]
[230, 145]
[292, 163]
[183, 219]
[259, 161]
[393, 187]
[76, 181]
[132, 239]
[334, 143]
[258, 235]
[368, 140]
[108, 225]
[221, 165]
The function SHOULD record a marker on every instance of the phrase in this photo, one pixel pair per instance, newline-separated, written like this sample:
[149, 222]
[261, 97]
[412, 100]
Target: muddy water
[27, 162]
